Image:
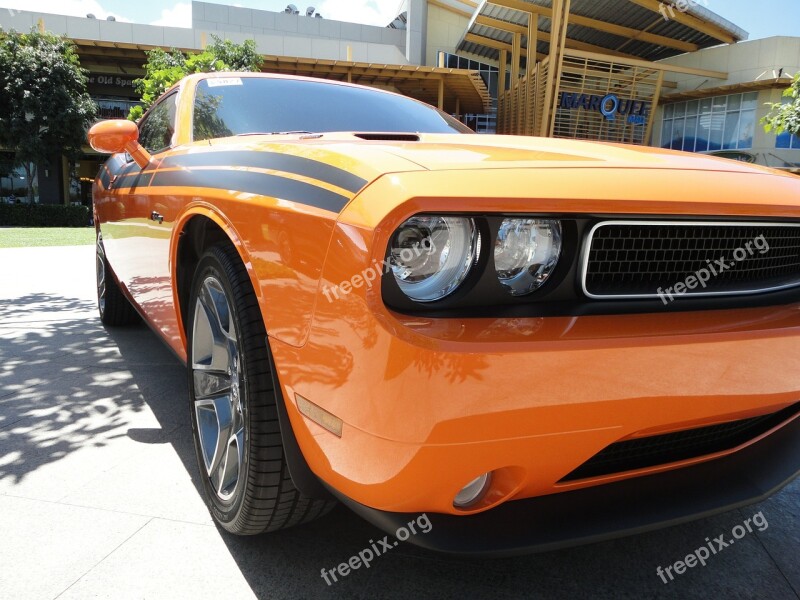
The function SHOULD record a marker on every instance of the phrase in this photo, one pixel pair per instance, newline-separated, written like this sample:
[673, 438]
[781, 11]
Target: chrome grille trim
[587, 247]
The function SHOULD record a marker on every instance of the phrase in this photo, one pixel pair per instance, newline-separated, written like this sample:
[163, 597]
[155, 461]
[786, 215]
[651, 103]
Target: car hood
[372, 155]
[456, 152]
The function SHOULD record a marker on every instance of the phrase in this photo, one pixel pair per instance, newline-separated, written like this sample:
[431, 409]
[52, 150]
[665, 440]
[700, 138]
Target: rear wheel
[115, 309]
[237, 437]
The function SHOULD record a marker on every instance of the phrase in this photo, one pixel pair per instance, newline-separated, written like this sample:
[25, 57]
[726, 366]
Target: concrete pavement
[99, 496]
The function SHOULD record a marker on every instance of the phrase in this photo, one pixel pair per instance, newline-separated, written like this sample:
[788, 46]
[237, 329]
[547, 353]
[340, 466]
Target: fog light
[473, 491]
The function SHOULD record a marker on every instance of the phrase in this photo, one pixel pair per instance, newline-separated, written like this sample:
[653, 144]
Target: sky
[761, 19]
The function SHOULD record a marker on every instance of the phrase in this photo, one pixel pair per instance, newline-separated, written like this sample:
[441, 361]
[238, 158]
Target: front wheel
[237, 437]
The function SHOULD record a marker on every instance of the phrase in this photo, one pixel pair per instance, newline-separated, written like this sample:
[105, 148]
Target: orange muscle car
[536, 342]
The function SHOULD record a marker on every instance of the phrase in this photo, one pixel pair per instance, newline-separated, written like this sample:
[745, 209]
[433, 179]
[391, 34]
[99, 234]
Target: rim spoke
[215, 382]
[227, 474]
[208, 383]
[215, 423]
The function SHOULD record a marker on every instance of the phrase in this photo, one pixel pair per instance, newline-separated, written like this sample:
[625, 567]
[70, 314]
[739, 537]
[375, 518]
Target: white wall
[744, 62]
[300, 36]
[284, 44]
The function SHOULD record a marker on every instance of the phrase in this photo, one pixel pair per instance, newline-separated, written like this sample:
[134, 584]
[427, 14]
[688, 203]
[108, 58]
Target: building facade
[632, 71]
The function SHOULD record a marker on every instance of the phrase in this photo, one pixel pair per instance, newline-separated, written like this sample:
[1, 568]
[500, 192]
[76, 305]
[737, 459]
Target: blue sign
[611, 106]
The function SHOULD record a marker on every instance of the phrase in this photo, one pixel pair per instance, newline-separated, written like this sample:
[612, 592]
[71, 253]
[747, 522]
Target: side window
[157, 127]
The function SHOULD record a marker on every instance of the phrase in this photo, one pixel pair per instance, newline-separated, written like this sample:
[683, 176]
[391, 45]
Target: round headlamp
[526, 253]
[432, 256]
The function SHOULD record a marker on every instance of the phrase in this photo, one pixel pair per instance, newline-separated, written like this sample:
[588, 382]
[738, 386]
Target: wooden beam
[501, 91]
[448, 8]
[653, 108]
[496, 44]
[501, 81]
[516, 59]
[552, 72]
[498, 24]
[544, 36]
[441, 94]
[524, 7]
[685, 18]
[637, 62]
[563, 7]
[628, 32]
[530, 100]
[533, 38]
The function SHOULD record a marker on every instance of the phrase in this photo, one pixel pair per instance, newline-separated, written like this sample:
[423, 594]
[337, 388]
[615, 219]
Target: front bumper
[610, 511]
[428, 405]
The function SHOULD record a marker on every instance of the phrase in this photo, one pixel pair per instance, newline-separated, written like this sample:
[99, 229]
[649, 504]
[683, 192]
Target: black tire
[255, 495]
[114, 308]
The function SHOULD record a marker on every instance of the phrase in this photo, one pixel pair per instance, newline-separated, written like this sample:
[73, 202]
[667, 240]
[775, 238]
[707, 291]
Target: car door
[149, 246]
[131, 237]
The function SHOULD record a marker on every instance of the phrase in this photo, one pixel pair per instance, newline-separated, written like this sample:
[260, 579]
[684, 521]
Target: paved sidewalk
[99, 498]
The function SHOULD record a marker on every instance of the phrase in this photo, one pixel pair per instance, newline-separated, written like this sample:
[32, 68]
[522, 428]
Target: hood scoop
[388, 137]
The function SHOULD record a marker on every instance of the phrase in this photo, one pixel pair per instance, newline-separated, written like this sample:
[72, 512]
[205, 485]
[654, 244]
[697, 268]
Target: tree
[165, 69]
[44, 106]
[785, 116]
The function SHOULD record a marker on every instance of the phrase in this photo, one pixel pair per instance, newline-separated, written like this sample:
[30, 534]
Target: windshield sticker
[223, 81]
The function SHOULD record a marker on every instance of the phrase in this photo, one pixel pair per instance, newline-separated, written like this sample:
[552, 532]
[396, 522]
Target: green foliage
[785, 116]
[165, 69]
[45, 109]
[43, 215]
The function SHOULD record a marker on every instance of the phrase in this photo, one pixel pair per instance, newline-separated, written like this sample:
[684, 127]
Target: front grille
[668, 448]
[648, 259]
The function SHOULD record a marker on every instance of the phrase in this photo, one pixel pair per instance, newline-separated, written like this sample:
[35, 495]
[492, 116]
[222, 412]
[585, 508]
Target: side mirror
[118, 135]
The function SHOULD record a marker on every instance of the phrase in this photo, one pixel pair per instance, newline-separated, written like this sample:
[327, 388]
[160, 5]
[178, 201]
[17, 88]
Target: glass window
[719, 104]
[784, 141]
[677, 134]
[750, 101]
[690, 134]
[666, 133]
[731, 134]
[747, 128]
[787, 141]
[255, 105]
[723, 122]
[158, 125]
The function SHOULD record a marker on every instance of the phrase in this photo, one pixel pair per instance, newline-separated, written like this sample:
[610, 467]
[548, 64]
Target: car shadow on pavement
[68, 383]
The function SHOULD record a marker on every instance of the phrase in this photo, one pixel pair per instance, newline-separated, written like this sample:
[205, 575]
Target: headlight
[432, 256]
[526, 253]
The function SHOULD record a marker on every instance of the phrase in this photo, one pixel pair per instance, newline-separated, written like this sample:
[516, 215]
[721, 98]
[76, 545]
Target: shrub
[43, 215]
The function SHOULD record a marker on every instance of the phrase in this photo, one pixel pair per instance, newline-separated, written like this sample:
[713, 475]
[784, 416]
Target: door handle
[154, 216]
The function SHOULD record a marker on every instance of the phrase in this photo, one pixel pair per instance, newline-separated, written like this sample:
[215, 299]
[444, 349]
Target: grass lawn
[21, 237]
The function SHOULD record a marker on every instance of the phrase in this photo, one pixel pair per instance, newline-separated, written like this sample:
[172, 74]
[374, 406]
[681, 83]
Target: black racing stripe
[134, 180]
[254, 183]
[272, 161]
[104, 176]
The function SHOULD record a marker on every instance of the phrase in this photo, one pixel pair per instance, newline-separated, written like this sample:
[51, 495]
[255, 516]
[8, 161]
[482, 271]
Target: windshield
[252, 105]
